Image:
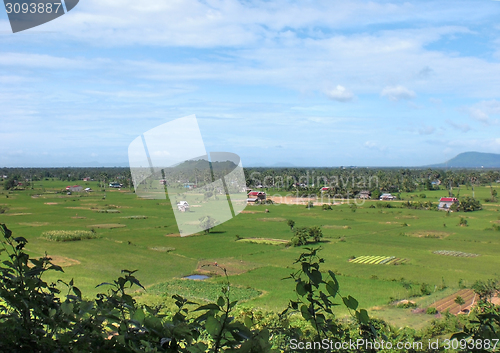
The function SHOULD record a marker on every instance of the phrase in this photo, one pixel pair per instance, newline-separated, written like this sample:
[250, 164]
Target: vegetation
[69, 235]
[302, 236]
[375, 228]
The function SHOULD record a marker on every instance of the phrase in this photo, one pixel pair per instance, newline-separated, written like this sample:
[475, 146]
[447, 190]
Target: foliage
[200, 290]
[303, 234]
[315, 299]
[207, 223]
[431, 311]
[290, 223]
[486, 289]
[463, 222]
[467, 204]
[10, 183]
[69, 235]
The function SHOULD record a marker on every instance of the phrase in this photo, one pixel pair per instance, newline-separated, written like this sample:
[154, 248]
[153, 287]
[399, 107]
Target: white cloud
[483, 111]
[426, 130]
[340, 94]
[396, 93]
[461, 127]
[374, 145]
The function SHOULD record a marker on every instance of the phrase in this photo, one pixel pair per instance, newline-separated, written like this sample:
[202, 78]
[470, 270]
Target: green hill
[472, 160]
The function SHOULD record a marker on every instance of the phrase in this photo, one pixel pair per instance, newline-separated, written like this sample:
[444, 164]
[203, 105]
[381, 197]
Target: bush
[431, 311]
[69, 235]
[463, 222]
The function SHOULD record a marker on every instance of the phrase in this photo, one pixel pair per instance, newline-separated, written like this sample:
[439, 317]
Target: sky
[303, 83]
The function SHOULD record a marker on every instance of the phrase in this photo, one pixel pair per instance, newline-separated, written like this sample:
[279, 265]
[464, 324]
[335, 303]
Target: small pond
[197, 277]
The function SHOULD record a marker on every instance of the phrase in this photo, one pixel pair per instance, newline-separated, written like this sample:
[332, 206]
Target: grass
[264, 241]
[128, 243]
[69, 235]
[201, 290]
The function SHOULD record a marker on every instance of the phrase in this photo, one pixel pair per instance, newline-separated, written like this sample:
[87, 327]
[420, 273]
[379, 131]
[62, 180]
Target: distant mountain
[472, 160]
[283, 165]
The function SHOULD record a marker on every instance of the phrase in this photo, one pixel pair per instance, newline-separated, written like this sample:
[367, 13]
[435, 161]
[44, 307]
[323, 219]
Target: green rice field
[141, 234]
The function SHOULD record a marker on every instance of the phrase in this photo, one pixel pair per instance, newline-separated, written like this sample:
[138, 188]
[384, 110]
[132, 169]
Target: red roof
[325, 188]
[448, 199]
[255, 193]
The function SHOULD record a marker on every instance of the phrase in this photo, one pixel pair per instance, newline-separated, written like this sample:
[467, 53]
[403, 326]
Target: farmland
[372, 250]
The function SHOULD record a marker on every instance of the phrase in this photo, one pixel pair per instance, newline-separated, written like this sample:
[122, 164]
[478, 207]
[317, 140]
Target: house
[74, 188]
[183, 206]
[252, 200]
[446, 202]
[325, 188]
[189, 185]
[115, 185]
[436, 182]
[163, 182]
[86, 179]
[364, 195]
[88, 190]
[257, 194]
[387, 197]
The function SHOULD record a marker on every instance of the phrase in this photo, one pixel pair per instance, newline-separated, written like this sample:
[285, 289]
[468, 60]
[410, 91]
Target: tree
[10, 183]
[290, 223]
[207, 223]
[315, 233]
[460, 301]
[300, 237]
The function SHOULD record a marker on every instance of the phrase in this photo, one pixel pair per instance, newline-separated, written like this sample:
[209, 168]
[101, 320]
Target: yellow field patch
[335, 227]
[275, 219]
[50, 203]
[78, 208]
[430, 234]
[63, 261]
[16, 214]
[34, 224]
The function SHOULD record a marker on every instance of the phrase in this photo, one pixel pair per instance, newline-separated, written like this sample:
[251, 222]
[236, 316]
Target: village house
[387, 197]
[325, 188]
[74, 188]
[260, 195]
[86, 179]
[446, 202]
[364, 195]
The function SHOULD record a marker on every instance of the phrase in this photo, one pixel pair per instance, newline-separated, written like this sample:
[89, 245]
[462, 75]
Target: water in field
[197, 277]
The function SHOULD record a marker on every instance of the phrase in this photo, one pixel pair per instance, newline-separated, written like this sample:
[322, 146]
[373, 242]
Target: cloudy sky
[309, 83]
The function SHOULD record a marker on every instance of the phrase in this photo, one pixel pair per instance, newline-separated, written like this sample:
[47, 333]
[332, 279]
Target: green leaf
[248, 321]
[315, 277]
[213, 326]
[139, 316]
[209, 307]
[305, 312]
[67, 308]
[350, 302]
[362, 316]
[332, 288]
[300, 288]
[221, 301]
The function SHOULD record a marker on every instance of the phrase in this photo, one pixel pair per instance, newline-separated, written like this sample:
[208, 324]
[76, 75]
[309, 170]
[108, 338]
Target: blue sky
[309, 83]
